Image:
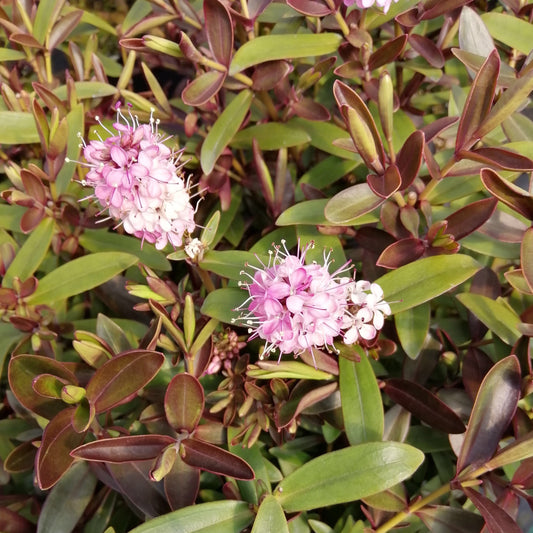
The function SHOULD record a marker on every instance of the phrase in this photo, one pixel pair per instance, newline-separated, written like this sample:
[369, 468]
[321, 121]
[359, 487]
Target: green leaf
[353, 202]
[79, 275]
[222, 304]
[229, 263]
[32, 253]
[308, 212]
[286, 370]
[425, 279]
[495, 314]
[95, 20]
[412, 326]
[347, 475]
[224, 130]
[274, 47]
[227, 516]
[87, 89]
[526, 257]
[107, 241]
[76, 487]
[8, 337]
[45, 18]
[18, 128]
[7, 54]
[271, 136]
[510, 30]
[270, 517]
[362, 407]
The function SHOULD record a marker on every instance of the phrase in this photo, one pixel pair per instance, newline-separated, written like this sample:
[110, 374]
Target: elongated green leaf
[271, 136]
[493, 410]
[18, 128]
[273, 47]
[222, 304]
[362, 407]
[495, 314]
[423, 280]
[80, 275]
[517, 451]
[510, 30]
[526, 257]
[45, 18]
[412, 326]
[75, 124]
[229, 263]
[87, 89]
[30, 256]
[270, 517]
[286, 370]
[347, 475]
[353, 202]
[76, 487]
[7, 54]
[309, 212]
[224, 129]
[107, 241]
[227, 516]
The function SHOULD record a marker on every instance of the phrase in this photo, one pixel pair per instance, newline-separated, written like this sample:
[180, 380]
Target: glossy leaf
[223, 304]
[401, 253]
[274, 47]
[412, 326]
[441, 519]
[286, 370]
[308, 212]
[219, 30]
[202, 88]
[79, 275]
[347, 475]
[214, 459]
[469, 218]
[228, 516]
[184, 402]
[526, 257]
[230, 263]
[53, 457]
[423, 280]
[499, 157]
[518, 450]
[181, 484]
[410, 158]
[351, 203]
[362, 407]
[224, 129]
[271, 136]
[18, 128]
[120, 378]
[493, 410]
[87, 89]
[424, 405]
[270, 517]
[510, 30]
[496, 519]
[495, 314]
[76, 487]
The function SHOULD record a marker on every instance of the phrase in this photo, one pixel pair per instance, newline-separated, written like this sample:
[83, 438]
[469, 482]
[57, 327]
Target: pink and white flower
[140, 181]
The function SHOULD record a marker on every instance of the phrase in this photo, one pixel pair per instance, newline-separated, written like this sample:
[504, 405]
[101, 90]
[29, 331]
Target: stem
[395, 520]
[433, 183]
[206, 279]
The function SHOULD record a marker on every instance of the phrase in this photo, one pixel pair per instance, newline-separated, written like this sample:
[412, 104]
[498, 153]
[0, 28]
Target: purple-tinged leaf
[311, 110]
[516, 279]
[424, 405]
[184, 402]
[21, 458]
[25, 39]
[436, 127]
[181, 484]
[499, 157]
[12, 522]
[410, 158]
[123, 449]
[469, 218]
[496, 519]
[427, 49]
[436, 8]
[493, 410]
[387, 53]
[214, 459]
[312, 8]
[120, 379]
[476, 365]
[351, 203]
[478, 103]
[53, 456]
[508, 193]
[386, 184]
[203, 88]
[440, 518]
[504, 227]
[267, 75]
[523, 475]
[22, 371]
[219, 31]
[401, 253]
[473, 61]
[526, 257]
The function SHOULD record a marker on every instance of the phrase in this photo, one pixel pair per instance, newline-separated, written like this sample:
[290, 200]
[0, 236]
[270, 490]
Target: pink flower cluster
[295, 306]
[365, 4]
[139, 180]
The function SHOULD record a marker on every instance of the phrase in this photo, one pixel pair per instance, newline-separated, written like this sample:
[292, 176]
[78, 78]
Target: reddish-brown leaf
[424, 405]
[214, 459]
[436, 8]
[436, 127]
[401, 252]
[469, 218]
[427, 49]
[499, 157]
[21, 458]
[203, 88]
[387, 53]
[181, 484]
[410, 158]
[312, 8]
[219, 31]
[386, 185]
[12, 522]
[267, 75]
[184, 402]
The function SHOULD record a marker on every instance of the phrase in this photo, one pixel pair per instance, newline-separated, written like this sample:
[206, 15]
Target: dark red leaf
[203, 88]
[181, 484]
[424, 405]
[387, 53]
[436, 8]
[312, 8]
[214, 459]
[123, 449]
[401, 252]
[31, 218]
[499, 157]
[53, 456]
[493, 410]
[427, 49]
[21, 458]
[120, 378]
[184, 402]
[508, 193]
[25, 39]
[33, 186]
[469, 218]
[219, 31]
[496, 519]
[478, 102]
[386, 185]
[12, 522]
[410, 158]
[267, 75]
[310, 109]
[436, 127]
[450, 519]
[523, 476]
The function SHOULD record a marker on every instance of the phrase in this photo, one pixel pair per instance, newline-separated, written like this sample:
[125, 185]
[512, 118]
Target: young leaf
[347, 475]
[184, 402]
[493, 410]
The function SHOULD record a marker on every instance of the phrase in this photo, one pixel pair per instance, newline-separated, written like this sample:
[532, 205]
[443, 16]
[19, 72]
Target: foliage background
[400, 141]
